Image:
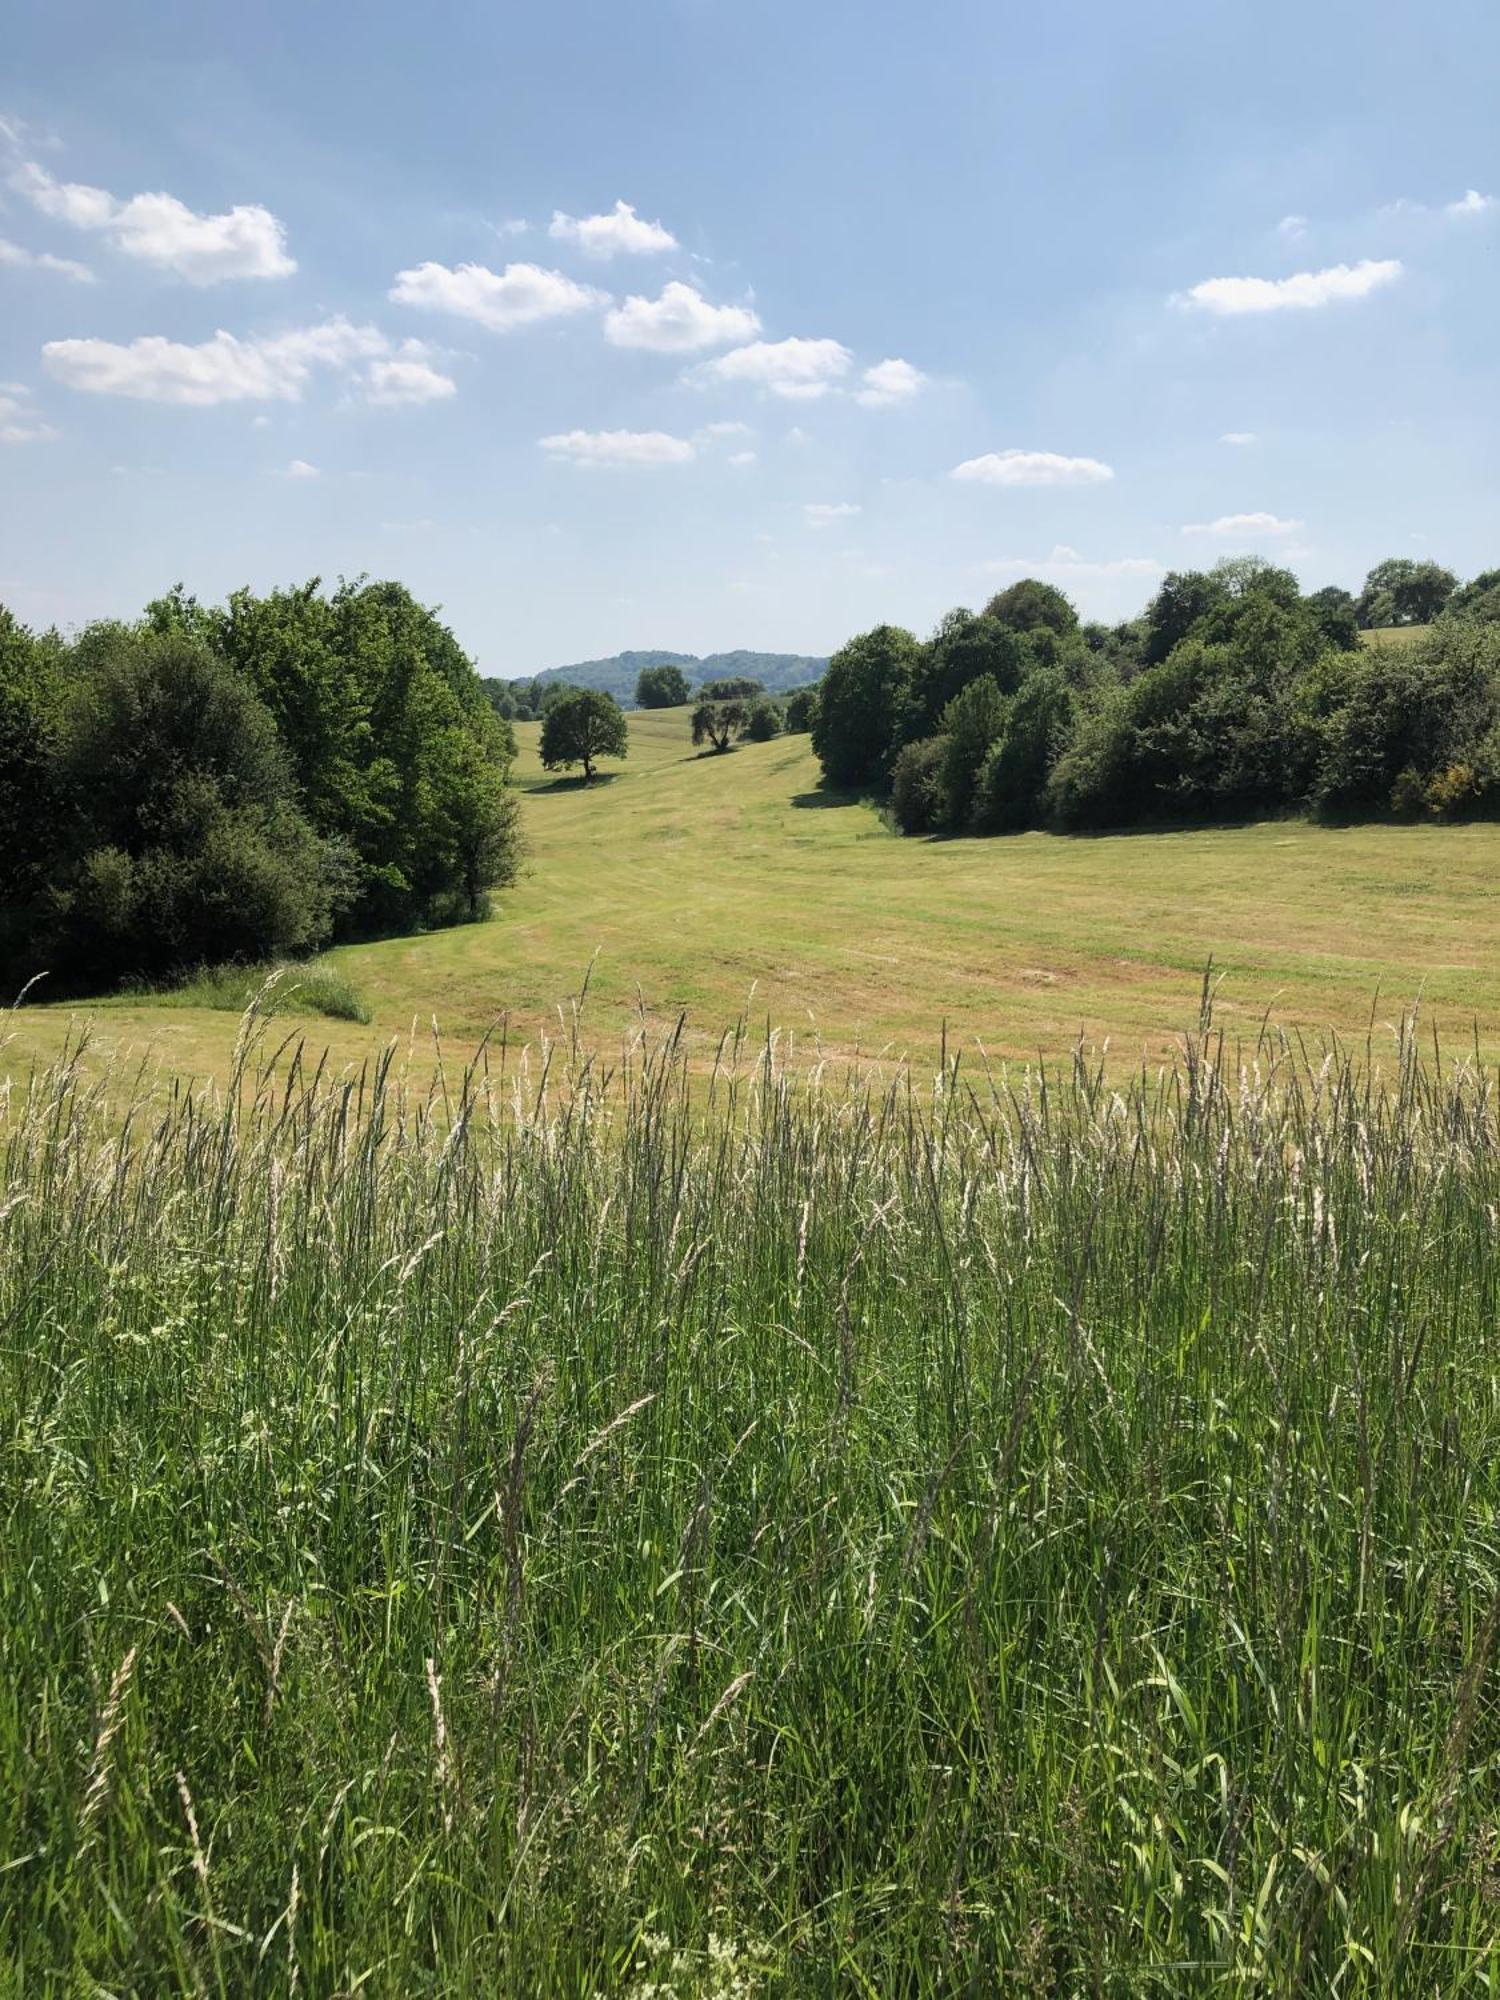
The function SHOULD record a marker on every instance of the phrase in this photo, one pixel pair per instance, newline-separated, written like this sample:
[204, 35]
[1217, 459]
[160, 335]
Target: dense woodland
[1233, 695]
[238, 782]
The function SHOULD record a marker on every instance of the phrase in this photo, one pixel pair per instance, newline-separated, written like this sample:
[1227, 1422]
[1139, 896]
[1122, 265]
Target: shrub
[762, 721]
[918, 803]
[661, 687]
[800, 710]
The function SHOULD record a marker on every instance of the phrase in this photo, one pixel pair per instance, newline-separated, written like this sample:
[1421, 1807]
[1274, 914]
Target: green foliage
[964, 648]
[580, 727]
[1010, 789]
[1338, 617]
[1030, 606]
[918, 798]
[762, 720]
[1401, 591]
[319, 990]
[1396, 730]
[716, 723]
[800, 710]
[1479, 598]
[732, 687]
[661, 687]
[972, 722]
[994, 1541]
[862, 695]
[32, 702]
[184, 842]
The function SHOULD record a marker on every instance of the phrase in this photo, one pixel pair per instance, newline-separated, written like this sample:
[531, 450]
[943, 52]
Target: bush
[185, 843]
[918, 802]
[1012, 783]
[971, 723]
[762, 721]
[800, 710]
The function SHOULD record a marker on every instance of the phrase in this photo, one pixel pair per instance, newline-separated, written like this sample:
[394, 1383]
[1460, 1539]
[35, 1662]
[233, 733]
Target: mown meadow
[565, 1530]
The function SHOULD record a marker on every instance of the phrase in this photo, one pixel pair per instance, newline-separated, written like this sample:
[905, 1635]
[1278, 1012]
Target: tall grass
[557, 1535]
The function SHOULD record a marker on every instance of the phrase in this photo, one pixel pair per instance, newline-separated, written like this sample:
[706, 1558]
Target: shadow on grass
[825, 796]
[573, 784]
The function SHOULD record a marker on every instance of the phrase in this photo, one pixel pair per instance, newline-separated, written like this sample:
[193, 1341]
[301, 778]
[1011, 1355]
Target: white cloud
[1303, 291]
[1234, 526]
[43, 260]
[619, 447]
[799, 369]
[1469, 205]
[520, 295]
[1238, 437]
[516, 226]
[300, 469]
[619, 233]
[1032, 468]
[1066, 563]
[823, 513]
[246, 241]
[221, 370]
[743, 457]
[18, 421]
[729, 428]
[893, 381]
[1292, 227]
[679, 322]
[408, 379]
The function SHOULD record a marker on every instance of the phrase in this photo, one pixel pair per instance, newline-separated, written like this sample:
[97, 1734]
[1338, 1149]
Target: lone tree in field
[715, 722]
[661, 687]
[582, 727]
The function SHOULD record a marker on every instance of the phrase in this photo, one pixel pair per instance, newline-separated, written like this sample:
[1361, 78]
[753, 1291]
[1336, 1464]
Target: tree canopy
[661, 687]
[581, 727]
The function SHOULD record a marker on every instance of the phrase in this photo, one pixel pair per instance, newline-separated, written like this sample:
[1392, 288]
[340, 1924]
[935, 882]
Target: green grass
[717, 885]
[1384, 637]
[591, 1536]
[318, 989]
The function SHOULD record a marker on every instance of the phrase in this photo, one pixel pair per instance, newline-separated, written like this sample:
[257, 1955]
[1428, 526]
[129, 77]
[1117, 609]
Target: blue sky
[696, 325]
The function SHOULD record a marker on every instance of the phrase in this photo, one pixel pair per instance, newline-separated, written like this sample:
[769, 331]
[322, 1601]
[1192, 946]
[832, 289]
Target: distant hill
[617, 675]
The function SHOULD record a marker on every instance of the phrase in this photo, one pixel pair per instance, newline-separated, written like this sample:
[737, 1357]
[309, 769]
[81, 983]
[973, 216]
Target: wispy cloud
[824, 513]
[152, 369]
[1237, 437]
[1230, 527]
[43, 260]
[1303, 291]
[1032, 468]
[19, 423]
[1066, 563]
[619, 448]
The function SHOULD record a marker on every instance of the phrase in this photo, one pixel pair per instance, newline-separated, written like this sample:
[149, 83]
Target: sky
[695, 325]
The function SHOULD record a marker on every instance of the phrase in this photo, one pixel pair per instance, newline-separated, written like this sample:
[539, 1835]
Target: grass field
[730, 885]
[895, 1544]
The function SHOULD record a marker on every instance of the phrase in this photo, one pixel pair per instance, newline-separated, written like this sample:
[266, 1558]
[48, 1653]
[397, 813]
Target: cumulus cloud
[823, 513]
[246, 241]
[1303, 291]
[19, 423]
[1237, 437]
[611, 448]
[893, 381]
[520, 295]
[43, 260]
[679, 322]
[408, 378]
[1236, 526]
[621, 232]
[798, 369]
[225, 369]
[1472, 203]
[1065, 563]
[1032, 468]
[300, 469]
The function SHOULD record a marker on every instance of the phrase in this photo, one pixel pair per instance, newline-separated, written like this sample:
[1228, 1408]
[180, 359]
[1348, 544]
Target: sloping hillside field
[734, 885]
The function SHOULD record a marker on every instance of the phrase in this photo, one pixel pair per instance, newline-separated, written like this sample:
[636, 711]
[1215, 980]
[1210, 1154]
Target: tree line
[210, 784]
[1234, 694]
